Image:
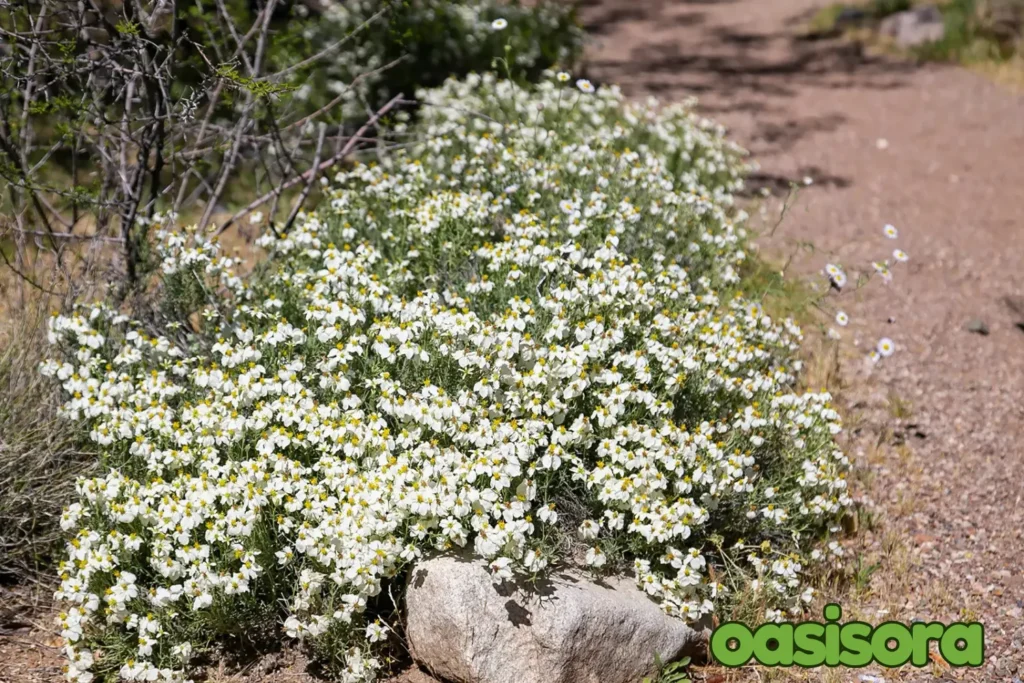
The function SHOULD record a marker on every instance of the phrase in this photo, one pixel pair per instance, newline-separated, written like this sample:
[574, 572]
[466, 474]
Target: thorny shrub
[535, 311]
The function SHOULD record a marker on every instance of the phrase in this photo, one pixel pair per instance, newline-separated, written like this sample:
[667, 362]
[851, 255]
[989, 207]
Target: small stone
[978, 327]
[915, 27]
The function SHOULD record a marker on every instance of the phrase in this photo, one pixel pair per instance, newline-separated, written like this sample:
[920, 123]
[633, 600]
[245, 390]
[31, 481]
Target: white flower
[563, 77]
[842, 319]
[835, 275]
[890, 231]
[589, 529]
[585, 86]
[595, 558]
[885, 347]
[534, 560]
[499, 24]
[882, 268]
[376, 632]
[256, 217]
[501, 569]
[900, 255]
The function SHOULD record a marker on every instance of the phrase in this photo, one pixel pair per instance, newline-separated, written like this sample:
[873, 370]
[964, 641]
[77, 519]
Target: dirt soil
[937, 151]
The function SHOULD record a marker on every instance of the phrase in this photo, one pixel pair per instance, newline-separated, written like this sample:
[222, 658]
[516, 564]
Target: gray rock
[464, 628]
[915, 26]
[978, 327]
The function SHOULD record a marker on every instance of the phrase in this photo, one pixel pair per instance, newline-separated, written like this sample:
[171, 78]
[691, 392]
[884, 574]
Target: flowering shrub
[423, 42]
[522, 338]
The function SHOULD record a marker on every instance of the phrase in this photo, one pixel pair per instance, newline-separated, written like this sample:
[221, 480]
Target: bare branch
[309, 182]
[318, 169]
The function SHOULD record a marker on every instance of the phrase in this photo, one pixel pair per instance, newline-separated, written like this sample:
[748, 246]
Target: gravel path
[939, 152]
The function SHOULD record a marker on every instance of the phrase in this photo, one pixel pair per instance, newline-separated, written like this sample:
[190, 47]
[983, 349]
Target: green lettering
[923, 633]
[963, 644]
[808, 638]
[782, 637]
[897, 656]
[833, 612]
[856, 641]
[723, 635]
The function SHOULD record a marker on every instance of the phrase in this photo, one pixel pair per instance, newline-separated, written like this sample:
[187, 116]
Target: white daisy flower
[882, 268]
[842, 319]
[585, 86]
[900, 256]
[886, 347]
[835, 275]
[589, 529]
[375, 632]
[563, 77]
[499, 24]
[890, 231]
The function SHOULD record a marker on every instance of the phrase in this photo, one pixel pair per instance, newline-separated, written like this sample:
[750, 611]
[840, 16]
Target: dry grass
[40, 455]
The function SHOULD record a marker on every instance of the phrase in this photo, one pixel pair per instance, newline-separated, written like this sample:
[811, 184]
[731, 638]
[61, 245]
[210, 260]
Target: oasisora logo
[853, 644]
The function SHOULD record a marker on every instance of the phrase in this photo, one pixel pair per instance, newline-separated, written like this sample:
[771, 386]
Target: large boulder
[463, 627]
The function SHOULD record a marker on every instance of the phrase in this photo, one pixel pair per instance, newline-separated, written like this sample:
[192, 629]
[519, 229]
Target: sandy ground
[936, 151]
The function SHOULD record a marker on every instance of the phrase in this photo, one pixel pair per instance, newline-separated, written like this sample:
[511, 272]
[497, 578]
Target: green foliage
[674, 672]
[423, 42]
[128, 28]
[880, 9]
[260, 89]
[979, 31]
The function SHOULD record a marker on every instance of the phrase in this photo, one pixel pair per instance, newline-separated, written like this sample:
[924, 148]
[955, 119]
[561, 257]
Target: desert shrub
[114, 113]
[424, 42]
[532, 315]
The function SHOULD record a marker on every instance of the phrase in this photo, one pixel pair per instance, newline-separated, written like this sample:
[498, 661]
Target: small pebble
[978, 327]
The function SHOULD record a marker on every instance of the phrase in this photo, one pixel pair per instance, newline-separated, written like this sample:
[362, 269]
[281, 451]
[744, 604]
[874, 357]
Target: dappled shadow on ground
[732, 62]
